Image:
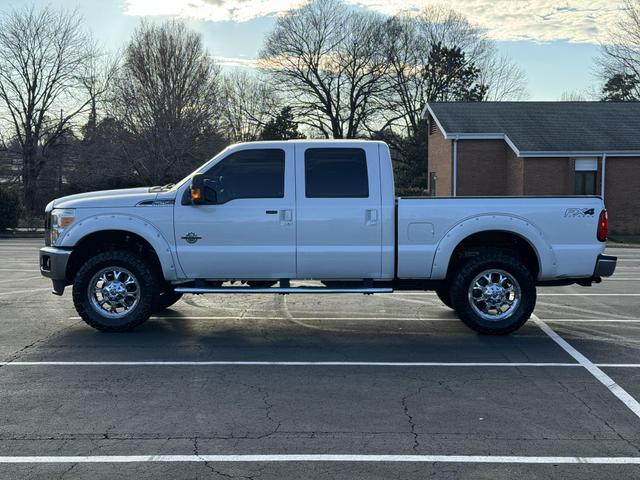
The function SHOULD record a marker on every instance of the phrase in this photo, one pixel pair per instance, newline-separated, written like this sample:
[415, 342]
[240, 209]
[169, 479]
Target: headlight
[61, 218]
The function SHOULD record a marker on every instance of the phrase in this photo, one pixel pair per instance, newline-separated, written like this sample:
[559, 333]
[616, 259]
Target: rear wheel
[493, 293]
[115, 291]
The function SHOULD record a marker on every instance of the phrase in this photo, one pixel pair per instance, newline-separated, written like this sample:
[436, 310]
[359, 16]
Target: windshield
[177, 185]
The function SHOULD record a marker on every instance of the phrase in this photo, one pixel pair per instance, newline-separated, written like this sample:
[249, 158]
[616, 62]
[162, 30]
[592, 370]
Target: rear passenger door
[338, 205]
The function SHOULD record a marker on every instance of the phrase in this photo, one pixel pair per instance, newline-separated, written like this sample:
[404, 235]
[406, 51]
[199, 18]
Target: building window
[433, 180]
[586, 176]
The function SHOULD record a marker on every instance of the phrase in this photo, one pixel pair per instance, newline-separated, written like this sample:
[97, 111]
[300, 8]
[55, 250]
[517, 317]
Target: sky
[555, 42]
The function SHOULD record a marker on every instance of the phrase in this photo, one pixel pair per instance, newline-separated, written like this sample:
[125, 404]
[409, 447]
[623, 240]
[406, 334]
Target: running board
[282, 290]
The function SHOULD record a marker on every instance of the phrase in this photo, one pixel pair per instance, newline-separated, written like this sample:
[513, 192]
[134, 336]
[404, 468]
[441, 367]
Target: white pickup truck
[270, 213]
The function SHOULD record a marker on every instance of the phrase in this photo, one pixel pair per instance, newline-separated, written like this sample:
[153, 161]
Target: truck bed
[562, 231]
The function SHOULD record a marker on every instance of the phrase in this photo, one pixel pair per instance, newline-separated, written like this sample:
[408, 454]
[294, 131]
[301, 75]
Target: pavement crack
[592, 412]
[19, 353]
[213, 469]
[412, 424]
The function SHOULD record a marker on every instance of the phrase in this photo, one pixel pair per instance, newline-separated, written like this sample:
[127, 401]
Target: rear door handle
[286, 217]
[372, 216]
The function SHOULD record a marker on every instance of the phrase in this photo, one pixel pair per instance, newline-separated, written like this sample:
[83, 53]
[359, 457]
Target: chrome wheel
[494, 295]
[114, 292]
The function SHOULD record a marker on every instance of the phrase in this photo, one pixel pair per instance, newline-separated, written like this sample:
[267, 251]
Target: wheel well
[495, 239]
[105, 240]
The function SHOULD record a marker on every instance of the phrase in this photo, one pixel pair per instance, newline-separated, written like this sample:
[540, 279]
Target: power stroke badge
[191, 237]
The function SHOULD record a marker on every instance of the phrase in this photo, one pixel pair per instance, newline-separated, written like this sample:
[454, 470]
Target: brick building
[539, 148]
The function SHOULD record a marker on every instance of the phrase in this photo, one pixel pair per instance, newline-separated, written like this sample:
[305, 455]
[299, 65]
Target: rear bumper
[53, 265]
[605, 266]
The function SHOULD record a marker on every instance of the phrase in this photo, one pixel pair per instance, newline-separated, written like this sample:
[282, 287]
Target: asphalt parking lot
[272, 387]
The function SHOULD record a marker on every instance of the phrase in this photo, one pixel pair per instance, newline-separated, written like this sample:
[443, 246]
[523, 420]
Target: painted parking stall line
[631, 403]
[406, 294]
[323, 458]
[238, 317]
[259, 363]
[377, 319]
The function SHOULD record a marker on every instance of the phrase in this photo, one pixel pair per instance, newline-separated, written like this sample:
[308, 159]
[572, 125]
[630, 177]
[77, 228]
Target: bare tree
[573, 96]
[417, 76]
[249, 103]
[328, 61]
[503, 78]
[98, 74]
[167, 97]
[620, 57]
[42, 53]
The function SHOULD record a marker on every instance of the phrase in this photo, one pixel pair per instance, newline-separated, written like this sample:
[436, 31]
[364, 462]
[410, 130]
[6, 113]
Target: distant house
[539, 148]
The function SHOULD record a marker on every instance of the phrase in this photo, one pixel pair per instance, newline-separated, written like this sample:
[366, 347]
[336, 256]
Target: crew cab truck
[269, 213]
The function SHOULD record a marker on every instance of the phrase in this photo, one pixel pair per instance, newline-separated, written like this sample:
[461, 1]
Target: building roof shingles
[547, 126]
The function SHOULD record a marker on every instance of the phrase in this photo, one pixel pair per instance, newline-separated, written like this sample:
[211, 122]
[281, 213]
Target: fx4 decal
[579, 212]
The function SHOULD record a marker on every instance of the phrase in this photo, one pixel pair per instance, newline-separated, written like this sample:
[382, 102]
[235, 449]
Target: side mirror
[201, 193]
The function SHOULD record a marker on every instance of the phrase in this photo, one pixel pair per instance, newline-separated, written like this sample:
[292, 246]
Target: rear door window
[336, 173]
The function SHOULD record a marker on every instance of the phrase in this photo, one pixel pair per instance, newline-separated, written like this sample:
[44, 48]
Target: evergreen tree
[621, 87]
[282, 127]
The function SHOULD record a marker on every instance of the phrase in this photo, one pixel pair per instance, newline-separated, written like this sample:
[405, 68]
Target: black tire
[147, 296]
[444, 294]
[465, 274]
[165, 300]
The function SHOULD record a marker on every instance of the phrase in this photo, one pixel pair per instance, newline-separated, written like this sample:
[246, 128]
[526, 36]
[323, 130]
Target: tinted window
[248, 174]
[335, 172]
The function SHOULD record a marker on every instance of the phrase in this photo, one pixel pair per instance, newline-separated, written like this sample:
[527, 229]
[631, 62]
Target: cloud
[211, 10]
[236, 61]
[581, 21]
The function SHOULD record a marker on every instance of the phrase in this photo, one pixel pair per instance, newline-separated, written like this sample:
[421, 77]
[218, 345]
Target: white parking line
[593, 320]
[204, 363]
[288, 364]
[325, 458]
[539, 294]
[341, 319]
[379, 319]
[602, 377]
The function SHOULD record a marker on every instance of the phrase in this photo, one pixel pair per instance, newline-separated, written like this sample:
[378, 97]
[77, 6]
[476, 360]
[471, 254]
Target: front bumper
[53, 265]
[605, 266]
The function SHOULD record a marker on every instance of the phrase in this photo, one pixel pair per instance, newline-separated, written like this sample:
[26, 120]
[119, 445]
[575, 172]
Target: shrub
[9, 209]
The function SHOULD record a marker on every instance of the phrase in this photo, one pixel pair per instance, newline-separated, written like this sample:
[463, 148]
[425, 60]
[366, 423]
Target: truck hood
[128, 197]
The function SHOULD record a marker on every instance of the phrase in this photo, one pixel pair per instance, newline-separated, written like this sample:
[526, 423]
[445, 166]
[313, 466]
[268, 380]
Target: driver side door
[249, 232]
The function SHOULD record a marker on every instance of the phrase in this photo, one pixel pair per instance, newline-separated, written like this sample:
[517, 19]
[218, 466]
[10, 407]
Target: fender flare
[494, 222]
[125, 223]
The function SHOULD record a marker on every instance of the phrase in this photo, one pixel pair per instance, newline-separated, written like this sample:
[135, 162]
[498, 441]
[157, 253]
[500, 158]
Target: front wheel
[115, 291]
[493, 293]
